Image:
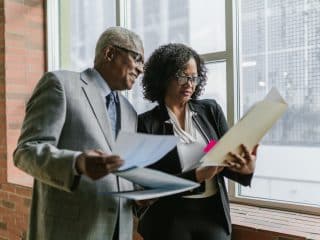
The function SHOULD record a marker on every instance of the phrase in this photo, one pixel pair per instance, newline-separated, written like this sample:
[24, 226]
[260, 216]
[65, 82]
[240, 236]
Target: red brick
[4, 195]
[16, 51]
[14, 10]
[23, 38]
[3, 164]
[23, 191]
[3, 225]
[21, 209]
[15, 59]
[8, 187]
[8, 204]
[18, 88]
[3, 176]
[15, 26]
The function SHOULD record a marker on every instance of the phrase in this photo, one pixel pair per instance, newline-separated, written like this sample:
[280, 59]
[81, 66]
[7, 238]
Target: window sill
[274, 223]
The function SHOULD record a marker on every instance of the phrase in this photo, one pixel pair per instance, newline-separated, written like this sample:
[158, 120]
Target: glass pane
[135, 96]
[81, 23]
[279, 46]
[216, 85]
[200, 25]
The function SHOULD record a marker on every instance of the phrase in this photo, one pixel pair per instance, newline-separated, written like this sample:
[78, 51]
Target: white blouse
[190, 149]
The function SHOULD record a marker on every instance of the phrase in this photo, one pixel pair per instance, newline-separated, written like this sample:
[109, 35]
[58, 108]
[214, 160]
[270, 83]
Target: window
[80, 24]
[249, 46]
[161, 22]
[279, 46]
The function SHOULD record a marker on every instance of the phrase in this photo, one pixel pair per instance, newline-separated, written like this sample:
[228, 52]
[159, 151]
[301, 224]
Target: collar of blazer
[128, 116]
[97, 104]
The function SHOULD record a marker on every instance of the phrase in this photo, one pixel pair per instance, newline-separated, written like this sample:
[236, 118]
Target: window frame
[230, 56]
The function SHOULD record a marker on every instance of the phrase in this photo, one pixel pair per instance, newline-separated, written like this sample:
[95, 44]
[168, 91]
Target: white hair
[118, 36]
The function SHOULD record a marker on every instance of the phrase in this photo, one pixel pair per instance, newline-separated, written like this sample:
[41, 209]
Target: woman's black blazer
[210, 121]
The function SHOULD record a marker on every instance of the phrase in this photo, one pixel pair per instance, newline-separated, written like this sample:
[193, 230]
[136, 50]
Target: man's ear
[109, 53]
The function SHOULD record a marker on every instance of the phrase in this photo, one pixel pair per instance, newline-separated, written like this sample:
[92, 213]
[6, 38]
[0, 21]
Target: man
[66, 142]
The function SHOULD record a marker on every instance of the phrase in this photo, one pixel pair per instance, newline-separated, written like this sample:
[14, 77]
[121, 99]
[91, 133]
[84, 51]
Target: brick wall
[22, 62]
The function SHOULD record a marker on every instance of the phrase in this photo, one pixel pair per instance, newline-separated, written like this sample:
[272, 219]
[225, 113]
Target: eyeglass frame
[195, 80]
[137, 57]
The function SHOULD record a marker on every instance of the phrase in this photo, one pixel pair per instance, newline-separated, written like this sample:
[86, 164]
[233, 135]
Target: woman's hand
[207, 173]
[244, 163]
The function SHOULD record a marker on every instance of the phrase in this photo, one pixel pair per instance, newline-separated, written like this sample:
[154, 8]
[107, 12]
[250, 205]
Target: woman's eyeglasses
[182, 80]
[138, 59]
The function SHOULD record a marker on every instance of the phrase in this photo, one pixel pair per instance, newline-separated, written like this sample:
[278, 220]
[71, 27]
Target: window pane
[216, 85]
[183, 21]
[135, 96]
[279, 47]
[202, 26]
[81, 23]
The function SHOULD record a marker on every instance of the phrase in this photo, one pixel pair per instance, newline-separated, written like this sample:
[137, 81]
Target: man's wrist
[76, 162]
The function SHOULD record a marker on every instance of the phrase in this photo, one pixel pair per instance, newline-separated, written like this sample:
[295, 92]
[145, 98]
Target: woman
[174, 77]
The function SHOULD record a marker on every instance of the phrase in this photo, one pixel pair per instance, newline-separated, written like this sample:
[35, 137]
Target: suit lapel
[97, 105]
[128, 116]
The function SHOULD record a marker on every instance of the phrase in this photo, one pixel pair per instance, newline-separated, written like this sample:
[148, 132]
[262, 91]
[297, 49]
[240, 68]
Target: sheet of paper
[150, 193]
[195, 153]
[249, 130]
[151, 178]
[139, 150]
[158, 183]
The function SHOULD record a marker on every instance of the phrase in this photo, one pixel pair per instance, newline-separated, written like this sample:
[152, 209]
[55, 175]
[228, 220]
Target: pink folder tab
[210, 145]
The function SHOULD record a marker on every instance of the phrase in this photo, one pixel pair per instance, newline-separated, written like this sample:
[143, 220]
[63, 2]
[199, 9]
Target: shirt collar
[103, 86]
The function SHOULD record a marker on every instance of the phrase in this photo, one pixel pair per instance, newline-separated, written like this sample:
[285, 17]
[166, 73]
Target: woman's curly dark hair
[163, 65]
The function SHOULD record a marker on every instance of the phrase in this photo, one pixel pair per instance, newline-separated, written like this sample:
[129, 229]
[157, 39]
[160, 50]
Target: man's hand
[146, 202]
[244, 163]
[96, 164]
[207, 173]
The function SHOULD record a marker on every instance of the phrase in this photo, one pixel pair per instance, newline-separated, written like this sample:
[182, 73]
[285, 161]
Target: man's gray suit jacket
[66, 115]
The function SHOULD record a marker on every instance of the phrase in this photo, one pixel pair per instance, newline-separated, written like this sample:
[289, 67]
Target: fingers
[98, 164]
[146, 202]
[237, 161]
[255, 149]
[207, 173]
[243, 163]
[246, 152]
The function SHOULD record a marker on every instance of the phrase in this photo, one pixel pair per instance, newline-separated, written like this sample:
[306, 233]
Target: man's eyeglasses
[182, 79]
[138, 59]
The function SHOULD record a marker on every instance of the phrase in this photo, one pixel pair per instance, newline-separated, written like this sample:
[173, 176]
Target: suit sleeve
[223, 128]
[37, 153]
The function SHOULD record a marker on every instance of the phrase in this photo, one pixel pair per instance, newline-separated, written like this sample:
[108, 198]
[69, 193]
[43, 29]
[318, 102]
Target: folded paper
[249, 130]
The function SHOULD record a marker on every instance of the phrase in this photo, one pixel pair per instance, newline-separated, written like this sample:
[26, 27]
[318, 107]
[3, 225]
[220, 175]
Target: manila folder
[249, 130]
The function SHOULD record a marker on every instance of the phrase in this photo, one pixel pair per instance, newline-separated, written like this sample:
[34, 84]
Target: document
[140, 150]
[249, 130]
[156, 184]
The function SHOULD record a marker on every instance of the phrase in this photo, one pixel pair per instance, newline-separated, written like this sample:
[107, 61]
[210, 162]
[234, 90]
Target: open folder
[139, 150]
[156, 184]
[249, 130]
